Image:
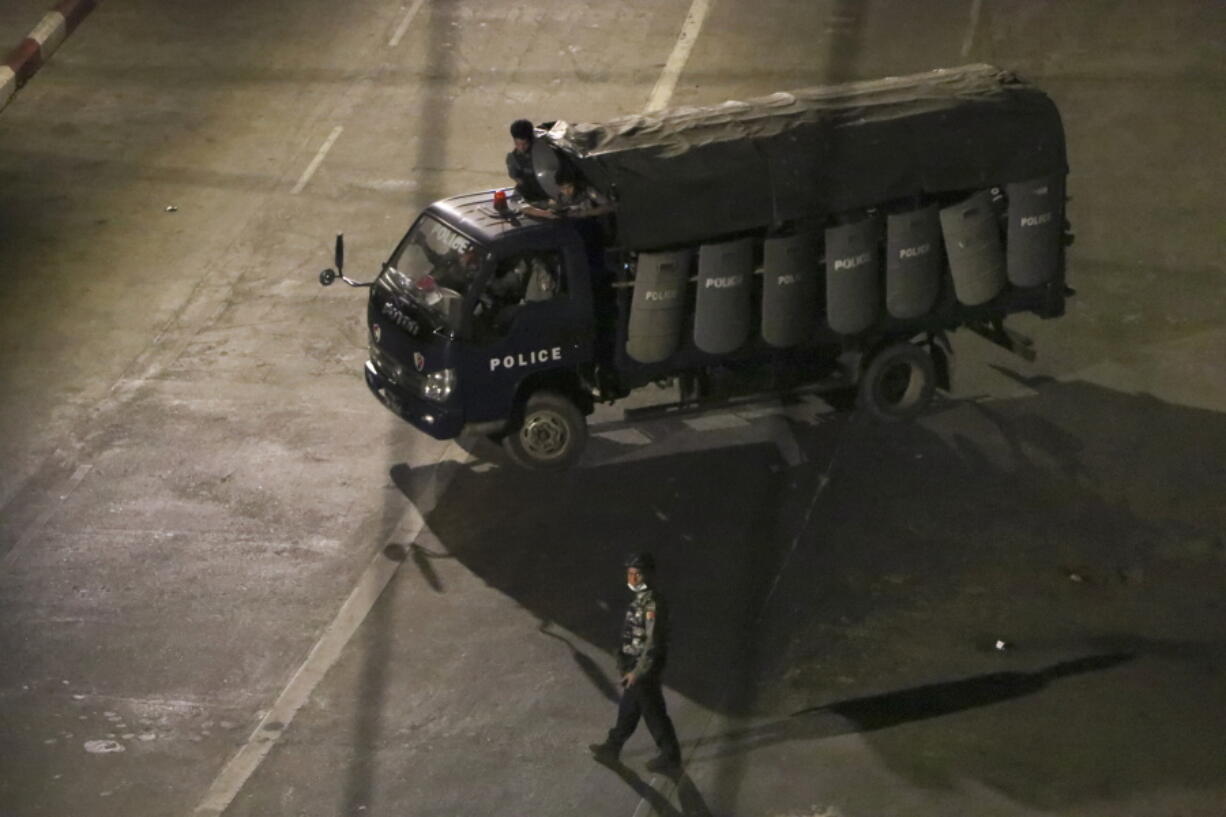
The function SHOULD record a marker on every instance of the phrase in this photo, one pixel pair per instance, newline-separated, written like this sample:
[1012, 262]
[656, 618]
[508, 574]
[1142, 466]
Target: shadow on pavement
[1047, 520]
[688, 796]
[368, 726]
[717, 521]
[906, 705]
[602, 682]
[996, 496]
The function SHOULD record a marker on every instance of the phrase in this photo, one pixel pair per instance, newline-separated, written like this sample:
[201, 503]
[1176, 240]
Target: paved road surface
[194, 479]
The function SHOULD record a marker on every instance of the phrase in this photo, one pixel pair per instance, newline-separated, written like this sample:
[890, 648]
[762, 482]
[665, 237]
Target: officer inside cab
[517, 282]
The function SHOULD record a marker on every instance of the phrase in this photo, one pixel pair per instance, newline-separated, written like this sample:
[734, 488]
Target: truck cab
[476, 310]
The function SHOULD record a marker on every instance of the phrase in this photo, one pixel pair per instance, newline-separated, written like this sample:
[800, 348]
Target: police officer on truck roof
[575, 199]
[644, 651]
[519, 161]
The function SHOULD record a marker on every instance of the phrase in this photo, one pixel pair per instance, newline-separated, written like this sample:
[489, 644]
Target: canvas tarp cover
[688, 174]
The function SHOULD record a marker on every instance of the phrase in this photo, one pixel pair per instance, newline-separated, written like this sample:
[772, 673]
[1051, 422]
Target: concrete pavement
[194, 477]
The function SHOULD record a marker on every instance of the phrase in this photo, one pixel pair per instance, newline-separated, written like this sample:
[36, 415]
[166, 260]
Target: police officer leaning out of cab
[644, 650]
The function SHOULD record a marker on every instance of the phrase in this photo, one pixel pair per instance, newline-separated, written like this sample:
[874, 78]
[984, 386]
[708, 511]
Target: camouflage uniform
[644, 652]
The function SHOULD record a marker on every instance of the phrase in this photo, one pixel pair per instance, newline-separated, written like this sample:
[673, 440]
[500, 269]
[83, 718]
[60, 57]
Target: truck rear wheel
[551, 436]
[898, 383]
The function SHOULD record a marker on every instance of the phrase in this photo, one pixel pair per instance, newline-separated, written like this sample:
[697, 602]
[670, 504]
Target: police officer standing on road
[519, 162]
[644, 651]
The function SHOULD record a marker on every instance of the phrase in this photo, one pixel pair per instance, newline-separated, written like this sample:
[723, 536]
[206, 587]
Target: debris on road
[102, 747]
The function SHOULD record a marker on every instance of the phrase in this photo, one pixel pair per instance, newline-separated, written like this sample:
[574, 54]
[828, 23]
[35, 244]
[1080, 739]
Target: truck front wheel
[898, 383]
[551, 436]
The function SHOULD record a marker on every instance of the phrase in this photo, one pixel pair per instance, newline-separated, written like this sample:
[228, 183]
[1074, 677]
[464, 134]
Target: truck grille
[402, 375]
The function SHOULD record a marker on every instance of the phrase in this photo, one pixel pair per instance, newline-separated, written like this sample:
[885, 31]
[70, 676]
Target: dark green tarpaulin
[687, 174]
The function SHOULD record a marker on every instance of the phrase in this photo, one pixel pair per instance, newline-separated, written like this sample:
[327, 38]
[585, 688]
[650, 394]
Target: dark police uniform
[583, 202]
[520, 169]
[644, 652]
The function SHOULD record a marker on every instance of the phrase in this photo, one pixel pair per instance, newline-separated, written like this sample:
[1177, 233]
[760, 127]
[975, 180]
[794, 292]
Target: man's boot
[664, 763]
[606, 752]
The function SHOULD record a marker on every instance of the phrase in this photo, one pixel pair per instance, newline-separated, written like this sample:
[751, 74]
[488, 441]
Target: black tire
[551, 435]
[898, 383]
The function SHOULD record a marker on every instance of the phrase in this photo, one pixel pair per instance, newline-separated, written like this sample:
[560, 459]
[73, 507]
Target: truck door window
[518, 280]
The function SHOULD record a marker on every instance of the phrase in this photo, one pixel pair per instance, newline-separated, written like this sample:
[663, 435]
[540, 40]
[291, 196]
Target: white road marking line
[321, 658]
[37, 525]
[667, 83]
[645, 809]
[327, 650]
[715, 422]
[394, 185]
[319, 157]
[969, 42]
[822, 482]
[625, 436]
[404, 24]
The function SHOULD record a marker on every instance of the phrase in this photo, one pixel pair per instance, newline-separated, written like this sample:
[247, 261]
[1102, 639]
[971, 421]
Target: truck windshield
[434, 266]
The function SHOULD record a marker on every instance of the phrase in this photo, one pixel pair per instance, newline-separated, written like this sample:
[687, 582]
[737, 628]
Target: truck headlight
[438, 385]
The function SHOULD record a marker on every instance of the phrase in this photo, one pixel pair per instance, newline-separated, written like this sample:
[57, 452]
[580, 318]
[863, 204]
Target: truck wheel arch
[898, 382]
[562, 381]
[548, 433]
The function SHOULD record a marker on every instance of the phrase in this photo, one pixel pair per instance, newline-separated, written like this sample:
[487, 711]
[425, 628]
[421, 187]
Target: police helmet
[641, 561]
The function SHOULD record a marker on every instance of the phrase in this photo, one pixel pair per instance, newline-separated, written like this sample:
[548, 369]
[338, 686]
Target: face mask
[637, 588]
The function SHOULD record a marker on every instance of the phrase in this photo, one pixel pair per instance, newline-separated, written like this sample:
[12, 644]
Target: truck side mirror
[329, 275]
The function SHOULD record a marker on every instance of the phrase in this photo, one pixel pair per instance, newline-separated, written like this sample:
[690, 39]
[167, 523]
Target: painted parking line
[404, 23]
[969, 41]
[662, 94]
[327, 650]
[336, 132]
[296, 693]
[318, 160]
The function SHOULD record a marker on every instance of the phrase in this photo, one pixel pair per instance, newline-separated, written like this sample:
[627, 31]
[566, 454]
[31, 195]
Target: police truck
[825, 239]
